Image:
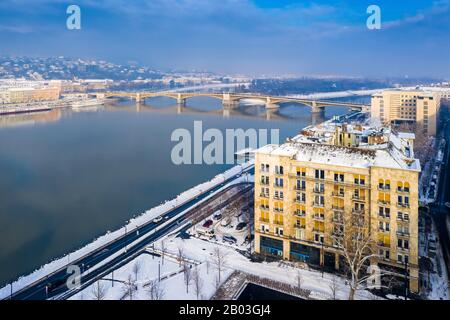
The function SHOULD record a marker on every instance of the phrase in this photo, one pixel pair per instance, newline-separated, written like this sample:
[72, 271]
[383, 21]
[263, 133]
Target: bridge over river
[230, 100]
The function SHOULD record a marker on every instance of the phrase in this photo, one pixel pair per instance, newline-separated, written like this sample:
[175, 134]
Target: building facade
[302, 191]
[418, 107]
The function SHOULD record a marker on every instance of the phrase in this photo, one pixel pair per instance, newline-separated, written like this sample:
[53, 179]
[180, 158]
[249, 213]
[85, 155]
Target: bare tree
[334, 287]
[207, 266]
[136, 268]
[299, 280]
[198, 282]
[219, 259]
[216, 283]
[187, 275]
[180, 255]
[129, 287]
[155, 290]
[99, 291]
[356, 243]
[163, 250]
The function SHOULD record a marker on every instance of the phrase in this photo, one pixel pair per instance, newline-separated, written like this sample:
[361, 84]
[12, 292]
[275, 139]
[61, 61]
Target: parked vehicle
[241, 225]
[217, 216]
[208, 223]
[229, 239]
[205, 233]
[157, 219]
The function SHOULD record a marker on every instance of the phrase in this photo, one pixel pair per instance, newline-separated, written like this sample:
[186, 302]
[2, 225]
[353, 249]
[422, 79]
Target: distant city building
[22, 91]
[306, 187]
[420, 108]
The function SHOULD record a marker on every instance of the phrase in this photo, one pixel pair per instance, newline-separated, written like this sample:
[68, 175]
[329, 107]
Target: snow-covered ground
[203, 251]
[133, 223]
[147, 268]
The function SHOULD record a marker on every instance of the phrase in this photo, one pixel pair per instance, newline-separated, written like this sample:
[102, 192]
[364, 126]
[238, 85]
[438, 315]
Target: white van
[205, 233]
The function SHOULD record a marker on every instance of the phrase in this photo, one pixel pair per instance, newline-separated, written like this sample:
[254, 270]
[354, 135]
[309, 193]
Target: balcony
[402, 233]
[384, 188]
[299, 213]
[264, 195]
[296, 200]
[403, 190]
[404, 250]
[278, 209]
[299, 226]
[276, 185]
[319, 217]
[318, 205]
[384, 230]
[337, 219]
[279, 223]
[403, 205]
[338, 208]
[319, 191]
[265, 220]
[383, 216]
[263, 207]
[300, 188]
[318, 230]
[358, 198]
[383, 244]
[384, 202]
[338, 194]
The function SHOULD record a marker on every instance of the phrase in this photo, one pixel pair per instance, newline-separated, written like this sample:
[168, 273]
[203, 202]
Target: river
[68, 177]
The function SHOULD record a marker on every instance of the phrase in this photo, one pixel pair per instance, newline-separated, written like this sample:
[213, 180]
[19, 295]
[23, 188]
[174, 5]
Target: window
[384, 197]
[339, 177]
[279, 170]
[359, 179]
[279, 182]
[384, 184]
[320, 174]
[318, 238]
[384, 226]
[264, 192]
[319, 187]
[279, 231]
[264, 228]
[264, 167]
[301, 172]
[278, 206]
[279, 195]
[301, 185]
[384, 212]
[300, 197]
[278, 219]
[403, 186]
[264, 180]
[319, 201]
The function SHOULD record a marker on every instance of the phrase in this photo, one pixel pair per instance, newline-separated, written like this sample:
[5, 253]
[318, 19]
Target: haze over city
[260, 37]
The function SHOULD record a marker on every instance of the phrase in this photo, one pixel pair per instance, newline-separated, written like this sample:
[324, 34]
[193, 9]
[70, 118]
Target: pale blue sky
[319, 37]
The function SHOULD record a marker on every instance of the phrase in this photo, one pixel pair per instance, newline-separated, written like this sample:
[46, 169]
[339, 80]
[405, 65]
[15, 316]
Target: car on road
[157, 219]
[52, 286]
[207, 224]
[217, 216]
[229, 239]
[241, 225]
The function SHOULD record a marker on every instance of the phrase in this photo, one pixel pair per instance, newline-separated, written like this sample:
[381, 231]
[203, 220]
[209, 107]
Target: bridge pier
[272, 106]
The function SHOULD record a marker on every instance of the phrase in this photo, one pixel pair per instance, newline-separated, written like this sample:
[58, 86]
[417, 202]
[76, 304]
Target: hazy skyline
[319, 37]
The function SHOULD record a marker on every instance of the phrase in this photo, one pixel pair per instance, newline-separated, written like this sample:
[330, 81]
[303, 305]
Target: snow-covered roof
[389, 157]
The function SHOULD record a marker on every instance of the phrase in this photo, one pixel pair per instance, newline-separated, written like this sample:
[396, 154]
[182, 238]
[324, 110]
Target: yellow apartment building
[303, 189]
[419, 107]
